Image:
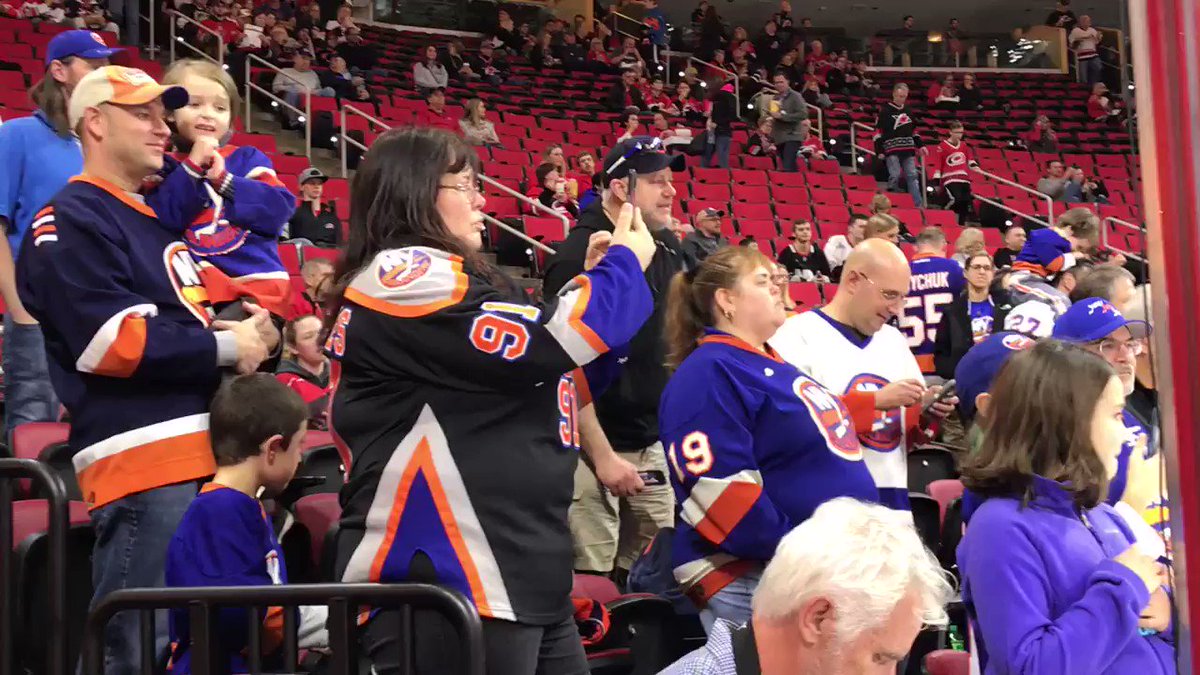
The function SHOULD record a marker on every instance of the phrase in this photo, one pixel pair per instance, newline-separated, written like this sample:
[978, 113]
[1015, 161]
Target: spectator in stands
[1062, 16]
[281, 48]
[630, 130]
[361, 56]
[811, 148]
[597, 57]
[429, 74]
[953, 164]
[225, 538]
[699, 13]
[769, 47]
[1054, 432]
[1085, 189]
[712, 34]
[310, 18]
[572, 54]
[880, 205]
[780, 278]
[791, 429]
[787, 110]
[416, 193]
[1041, 137]
[294, 83]
[542, 56]
[1014, 241]
[629, 58]
[1100, 106]
[506, 35]
[657, 99]
[741, 40]
[1084, 40]
[1110, 282]
[455, 64]
[969, 318]
[803, 257]
[314, 220]
[1045, 271]
[839, 246]
[554, 191]
[40, 153]
[316, 275]
[671, 135]
[934, 95]
[1143, 402]
[761, 143]
[344, 84]
[883, 226]
[969, 96]
[144, 380]
[813, 95]
[849, 343]
[494, 71]
[970, 243]
[584, 174]
[611, 527]
[305, 368]
[1056, 180]
[705, 238]
[897, 140]
[859, 598]
[435, 114]
[625, 93]
[688, 107]
[476, 128]
[723, 114]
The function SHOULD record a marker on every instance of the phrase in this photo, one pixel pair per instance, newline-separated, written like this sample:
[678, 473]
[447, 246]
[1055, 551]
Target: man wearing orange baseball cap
[128, 340]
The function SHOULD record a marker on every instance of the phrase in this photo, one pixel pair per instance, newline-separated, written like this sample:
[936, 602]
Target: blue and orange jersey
[125, 319]
[754, 446]
[934, 283]
[467, 478]
[231, 224]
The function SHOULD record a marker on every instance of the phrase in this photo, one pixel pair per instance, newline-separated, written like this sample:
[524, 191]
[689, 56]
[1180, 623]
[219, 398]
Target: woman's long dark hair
[393, 202]
[1040, 423]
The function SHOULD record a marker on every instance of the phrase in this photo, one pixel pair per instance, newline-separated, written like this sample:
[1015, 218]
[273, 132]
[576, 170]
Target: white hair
[864, 558]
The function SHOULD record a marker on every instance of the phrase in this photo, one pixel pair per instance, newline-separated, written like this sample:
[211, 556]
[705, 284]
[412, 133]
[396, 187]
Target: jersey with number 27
[934, 284]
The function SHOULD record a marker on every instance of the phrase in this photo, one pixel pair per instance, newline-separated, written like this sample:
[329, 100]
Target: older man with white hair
[847, 592]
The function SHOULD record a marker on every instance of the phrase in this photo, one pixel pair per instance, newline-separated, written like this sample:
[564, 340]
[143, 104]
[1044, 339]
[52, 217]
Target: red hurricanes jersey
[953, 162]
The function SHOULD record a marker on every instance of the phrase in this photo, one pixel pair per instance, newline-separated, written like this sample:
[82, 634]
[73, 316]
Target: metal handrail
[305, 115]
[58, 520]
[151, 45]
[220, 60]
[1036, 193]
[737, 89]
[345, 140]
[1137, 228]
[538, 206]
[820, 121]
[615, 14]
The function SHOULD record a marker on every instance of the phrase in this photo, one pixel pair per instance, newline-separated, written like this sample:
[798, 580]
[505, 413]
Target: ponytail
[692, 296]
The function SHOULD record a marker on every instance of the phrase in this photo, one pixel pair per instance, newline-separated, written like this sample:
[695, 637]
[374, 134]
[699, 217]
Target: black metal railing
[57, 518]
[344, 602]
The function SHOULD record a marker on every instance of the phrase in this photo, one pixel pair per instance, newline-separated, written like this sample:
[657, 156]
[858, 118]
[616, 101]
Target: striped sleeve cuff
[192, 169]
[223, 184]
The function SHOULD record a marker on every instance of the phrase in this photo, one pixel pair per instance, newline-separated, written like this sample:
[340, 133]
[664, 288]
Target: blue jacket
[1044, 594]
[37, 164]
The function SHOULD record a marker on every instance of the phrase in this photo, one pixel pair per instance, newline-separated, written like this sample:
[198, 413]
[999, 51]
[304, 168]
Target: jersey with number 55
[934, 283]
[754, 446]
[457, 399]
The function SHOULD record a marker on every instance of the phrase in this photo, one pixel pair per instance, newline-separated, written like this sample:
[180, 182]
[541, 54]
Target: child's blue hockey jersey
[231, 224]
[754, 446]
[226, 539]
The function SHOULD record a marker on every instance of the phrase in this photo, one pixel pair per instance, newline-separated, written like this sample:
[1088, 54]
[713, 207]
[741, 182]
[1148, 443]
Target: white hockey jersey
[835, 356]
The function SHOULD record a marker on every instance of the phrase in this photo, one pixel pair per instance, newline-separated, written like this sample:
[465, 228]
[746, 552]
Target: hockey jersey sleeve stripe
[715, 506]
[151, 455]
[264, 174]
[567, 325]
[117, 348]
[583, 391]
[409, 284]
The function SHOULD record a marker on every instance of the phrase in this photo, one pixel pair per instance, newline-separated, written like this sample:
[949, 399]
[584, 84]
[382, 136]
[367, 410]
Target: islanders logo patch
[831, 417]
[885, 432]
[206, 238]
[398, 269]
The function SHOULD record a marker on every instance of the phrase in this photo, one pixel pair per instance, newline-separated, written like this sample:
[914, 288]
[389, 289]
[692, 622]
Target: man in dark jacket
[620, 432]
[720, 128]
[971, 317]
[625, 94]
[313, 219]
[705, 239]
[788, 110]
[897, 142]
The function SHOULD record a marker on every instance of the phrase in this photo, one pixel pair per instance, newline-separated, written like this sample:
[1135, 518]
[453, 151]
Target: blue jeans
[788, 151]
[905, 171]
[1093, 70]
[28, 395]
[731, 603]
[718, 148]
[132, 535]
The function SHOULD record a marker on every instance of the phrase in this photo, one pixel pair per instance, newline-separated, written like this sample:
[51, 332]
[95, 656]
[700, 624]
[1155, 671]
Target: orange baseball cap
[121, 86]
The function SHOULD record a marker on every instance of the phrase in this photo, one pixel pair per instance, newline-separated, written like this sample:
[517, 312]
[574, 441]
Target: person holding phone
[754, 446]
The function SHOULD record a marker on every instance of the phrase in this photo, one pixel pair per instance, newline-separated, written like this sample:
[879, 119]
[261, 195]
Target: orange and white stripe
[442, 284]
[425, 451]
[716, 505]
[117, 348]
[164, 453]
[43, 227]
[576, 338]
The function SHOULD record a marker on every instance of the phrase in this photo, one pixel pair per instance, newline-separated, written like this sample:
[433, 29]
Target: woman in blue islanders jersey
[456, 399]
[754, 446]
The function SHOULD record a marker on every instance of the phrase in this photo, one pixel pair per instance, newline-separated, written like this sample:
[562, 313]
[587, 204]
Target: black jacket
[954, 335]
[628, 410]
[724, 112]
[618, 101]
[322, 229]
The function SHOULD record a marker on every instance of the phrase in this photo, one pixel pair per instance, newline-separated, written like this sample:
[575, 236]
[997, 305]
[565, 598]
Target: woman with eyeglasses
[457, 401]
[971, 317]
[754, 446]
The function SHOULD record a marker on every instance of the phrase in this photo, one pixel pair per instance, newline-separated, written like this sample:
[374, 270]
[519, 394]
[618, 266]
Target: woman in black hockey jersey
[456, 400]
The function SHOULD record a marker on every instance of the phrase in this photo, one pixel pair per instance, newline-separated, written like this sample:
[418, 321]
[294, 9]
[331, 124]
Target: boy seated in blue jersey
[225, 201]
[257, 425]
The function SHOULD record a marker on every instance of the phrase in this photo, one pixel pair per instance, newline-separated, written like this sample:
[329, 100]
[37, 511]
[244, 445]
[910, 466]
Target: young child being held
[257, 426]
[225, 201]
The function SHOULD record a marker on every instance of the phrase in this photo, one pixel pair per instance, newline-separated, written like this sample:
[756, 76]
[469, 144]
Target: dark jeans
[958, 200]
[132, 535]
[511, 648]
[788, 151]
[719, 149]
[28, 395]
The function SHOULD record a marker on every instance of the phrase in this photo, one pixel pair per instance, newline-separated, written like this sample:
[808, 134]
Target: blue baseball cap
[81, 43]
[980, 365]
[1093, 319]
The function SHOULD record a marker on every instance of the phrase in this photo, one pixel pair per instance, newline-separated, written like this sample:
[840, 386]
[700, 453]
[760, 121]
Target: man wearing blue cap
[39, 154]
[977, 370]
[1097, 326]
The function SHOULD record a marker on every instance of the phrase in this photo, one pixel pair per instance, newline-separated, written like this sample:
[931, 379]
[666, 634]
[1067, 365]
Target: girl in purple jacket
[1049, 577]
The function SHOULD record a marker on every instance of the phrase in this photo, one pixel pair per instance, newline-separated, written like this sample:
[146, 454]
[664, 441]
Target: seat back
[948, 662]
[317, 513]
[927, 464]
[60, 458]
[326, 463]
[925, 517]
[32, 571]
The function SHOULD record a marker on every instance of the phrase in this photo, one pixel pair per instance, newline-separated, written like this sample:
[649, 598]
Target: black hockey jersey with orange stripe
[457, 403]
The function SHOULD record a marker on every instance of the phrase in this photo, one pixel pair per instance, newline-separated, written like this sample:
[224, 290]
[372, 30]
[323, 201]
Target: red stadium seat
[317, 513]
[711, 176]
[290, 165]
[11, 79]
[751, 193]
[28, 441]
[318, 253]
[32, 516]
[759, 229]
[827, 197]
[748, 177]
[943, 219]
[710, 193]
[948, 662]
[827, 212]
[790, 213]
[945, 491]
[825, 181]
[805, 294]
[787, 179]
[337, 188]
[753, 211]
[264, 142]
[546, 230]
